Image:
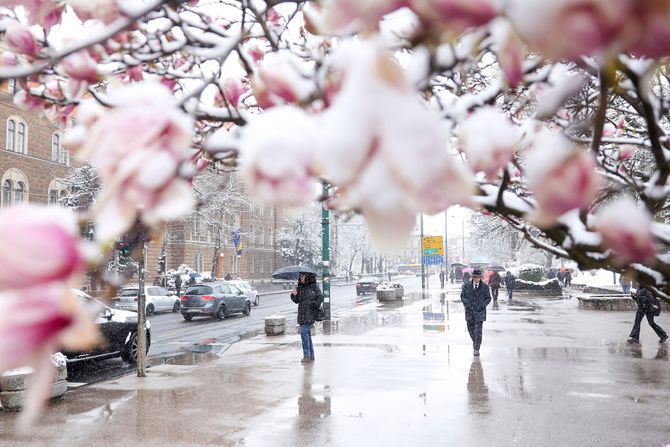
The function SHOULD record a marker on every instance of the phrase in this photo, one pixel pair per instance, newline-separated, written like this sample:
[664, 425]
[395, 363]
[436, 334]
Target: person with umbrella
[308, 296]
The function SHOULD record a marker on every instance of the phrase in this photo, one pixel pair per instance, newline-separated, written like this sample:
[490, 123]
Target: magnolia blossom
[509, 50]
[39, 245]
[340, 17]
[233, 89]
[138, 148]
[45, 13]
[560, 177]
[280, 81]
[34, 323]
[488, 140]
[277, 156]
[80, 67]
[21, 40]
[457, 15]
[625, 228]
[105, 11]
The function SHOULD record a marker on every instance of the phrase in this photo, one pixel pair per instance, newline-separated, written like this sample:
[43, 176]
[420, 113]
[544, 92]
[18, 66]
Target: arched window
[55, 147]
[18, 192]
[53, 197]
[11, 135]
[21, 139]
[63, 198]
[6, 193]
[269, 239]
[11, 86]
[261, 236]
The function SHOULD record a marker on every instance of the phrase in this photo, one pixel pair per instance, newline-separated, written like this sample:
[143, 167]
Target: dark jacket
[466, 277]
[475, 301]
[510, 281]
[177, 281]
[646, 301]
[309, 300]
[495, 280]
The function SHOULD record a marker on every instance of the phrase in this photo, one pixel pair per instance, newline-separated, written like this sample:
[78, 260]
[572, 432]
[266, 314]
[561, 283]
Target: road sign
[432, 246]
[432, 260]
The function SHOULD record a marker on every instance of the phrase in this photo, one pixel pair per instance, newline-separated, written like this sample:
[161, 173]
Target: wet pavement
[400, 375]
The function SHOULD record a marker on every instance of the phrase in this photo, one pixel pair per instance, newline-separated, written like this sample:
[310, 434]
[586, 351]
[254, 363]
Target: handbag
[320, 314]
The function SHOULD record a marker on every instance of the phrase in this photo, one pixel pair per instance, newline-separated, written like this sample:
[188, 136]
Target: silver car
[248, 290]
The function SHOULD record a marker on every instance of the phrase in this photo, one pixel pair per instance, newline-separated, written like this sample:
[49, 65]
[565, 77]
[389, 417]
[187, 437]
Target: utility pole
[141, 314]
[325, 253]
[423, 267]
[446, 246]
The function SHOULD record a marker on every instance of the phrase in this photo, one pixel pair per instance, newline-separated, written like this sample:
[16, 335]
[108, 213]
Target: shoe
[311, 359]
[633, 340]
[476, 353]
[304, 360]
[663, 339]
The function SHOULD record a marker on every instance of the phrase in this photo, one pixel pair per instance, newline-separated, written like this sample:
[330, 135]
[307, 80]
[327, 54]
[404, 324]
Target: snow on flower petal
[457, 15]
[20, 39]
[39, 245]
[626, 229]
[105, 11]
[340, 17]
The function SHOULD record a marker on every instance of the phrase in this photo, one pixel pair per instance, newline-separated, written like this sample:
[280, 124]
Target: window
[198, 262]
[11, 86]
[11, 135]
[269, 236]
[53, 197]
[55, 147]
[6, 193]
[195, 226]
[262, 236]
[21, 139]
[63, 198]
[18, 192]
[251, 264]
[251, 234]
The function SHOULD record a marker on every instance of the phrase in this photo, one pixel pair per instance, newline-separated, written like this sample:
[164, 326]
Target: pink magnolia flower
[625, 229]
[40, 245]
[21, 40]
[255, 52]
[593, 26]
[340, 17]
[277, 156]
[280, 81]
[34, 323]
[81, 67]
[626, 151]
[652, 39]
[488, 140]
[233, 89]
[560, 177]
[105, 11]
[138, 147]
[8, 59]
[45, 13]
[457, 15]
[28, 102]
[510, 52]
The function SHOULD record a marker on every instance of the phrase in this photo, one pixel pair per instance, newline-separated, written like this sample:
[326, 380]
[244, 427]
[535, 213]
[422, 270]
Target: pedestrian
[466, 277]
[561, 277]
[494, 284]
[624, 280]
[157, 279]
[475, 296]
[568, 279]
[177, 284]
[551, 274]
[442, 279]
[452, 276]
[308, 297]
[228, 277]
[510, 282]
[649, 306]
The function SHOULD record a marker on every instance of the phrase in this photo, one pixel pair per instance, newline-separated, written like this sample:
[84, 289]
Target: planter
[275, 325]
[387, 295]
[399, 292]
[13, 384]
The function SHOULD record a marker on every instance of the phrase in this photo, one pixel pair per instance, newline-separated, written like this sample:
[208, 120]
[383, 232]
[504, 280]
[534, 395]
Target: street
[172, 336]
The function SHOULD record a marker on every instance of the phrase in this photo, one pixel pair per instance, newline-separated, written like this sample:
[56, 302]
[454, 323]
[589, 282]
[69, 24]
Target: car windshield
[198, 290]
[368, 280]
[243, 285]
[128, 292]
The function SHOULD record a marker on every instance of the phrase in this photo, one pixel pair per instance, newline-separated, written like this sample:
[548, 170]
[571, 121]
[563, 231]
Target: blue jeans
[509, 293]
[626, 290]
[306, 336]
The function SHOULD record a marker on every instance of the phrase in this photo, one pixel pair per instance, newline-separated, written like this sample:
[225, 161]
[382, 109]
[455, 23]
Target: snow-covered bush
[531, 272]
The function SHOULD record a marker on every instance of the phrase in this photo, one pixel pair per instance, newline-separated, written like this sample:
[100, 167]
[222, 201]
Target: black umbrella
[292, 272]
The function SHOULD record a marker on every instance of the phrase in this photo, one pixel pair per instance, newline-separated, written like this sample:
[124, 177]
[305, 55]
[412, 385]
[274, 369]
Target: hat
[477, 272]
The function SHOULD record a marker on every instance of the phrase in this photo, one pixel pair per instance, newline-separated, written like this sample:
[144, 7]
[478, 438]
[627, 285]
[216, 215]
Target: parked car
[248, 289]
[215, 300]
[366, 285]
[119, 330]
[157, 299]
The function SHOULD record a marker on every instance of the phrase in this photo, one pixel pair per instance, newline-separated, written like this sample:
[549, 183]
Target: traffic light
[161, 263]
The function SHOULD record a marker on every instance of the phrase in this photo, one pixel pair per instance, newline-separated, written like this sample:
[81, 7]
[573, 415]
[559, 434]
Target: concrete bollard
[399, 292]
[386, 295]
[13, 383]
[275, 325]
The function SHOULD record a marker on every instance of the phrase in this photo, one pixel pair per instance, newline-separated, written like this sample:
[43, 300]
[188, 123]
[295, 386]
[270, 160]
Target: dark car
[217, 300]
[366, 285]
[119, 330]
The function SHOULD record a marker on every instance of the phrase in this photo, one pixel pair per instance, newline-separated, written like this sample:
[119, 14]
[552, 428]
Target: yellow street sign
[432, 246]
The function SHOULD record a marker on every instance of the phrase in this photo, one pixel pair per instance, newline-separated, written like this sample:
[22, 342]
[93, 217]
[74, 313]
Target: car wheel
[247, 309]
[129, 353]
[176, 306]
[221, 313]
[188, 317]
[258, 300]
[150, 310]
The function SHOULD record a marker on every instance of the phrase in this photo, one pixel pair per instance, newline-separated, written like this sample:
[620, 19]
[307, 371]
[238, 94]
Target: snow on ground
[595, 278]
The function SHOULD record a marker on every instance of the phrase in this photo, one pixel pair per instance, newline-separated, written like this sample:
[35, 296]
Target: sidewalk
[549, 375]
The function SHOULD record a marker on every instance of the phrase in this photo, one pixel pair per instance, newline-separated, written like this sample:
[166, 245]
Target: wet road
[171, 335]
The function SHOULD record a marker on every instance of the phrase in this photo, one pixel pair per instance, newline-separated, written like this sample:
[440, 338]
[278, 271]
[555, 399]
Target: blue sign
[432, 260]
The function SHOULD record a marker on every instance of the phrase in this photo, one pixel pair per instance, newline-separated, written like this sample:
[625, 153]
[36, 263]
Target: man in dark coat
[452, 276]
[308, 297]
[475, 296]
[647, 305]
[494, 284]
[177, 284]
[510, 282]
[466, 277]
[442, 279]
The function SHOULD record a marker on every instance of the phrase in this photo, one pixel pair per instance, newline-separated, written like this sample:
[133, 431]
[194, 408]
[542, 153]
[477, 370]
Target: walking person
[475, 296]
[625, 284]
[510, 282]
[452, 276]
[494, 284]
[442, 279]
[308, 297]
[466, 277]
[649, 306]
[568, 279]
[177, 284]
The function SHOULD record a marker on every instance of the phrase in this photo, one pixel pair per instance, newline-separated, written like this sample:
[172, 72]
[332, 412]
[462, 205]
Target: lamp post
[325, 253]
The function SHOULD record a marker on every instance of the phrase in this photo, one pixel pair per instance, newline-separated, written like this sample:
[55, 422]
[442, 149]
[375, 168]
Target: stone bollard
[399, 292]
[13, 383]
[386, 294]
[275, 325]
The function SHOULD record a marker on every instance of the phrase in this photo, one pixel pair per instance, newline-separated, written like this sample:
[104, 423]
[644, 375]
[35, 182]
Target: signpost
[432, 250]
